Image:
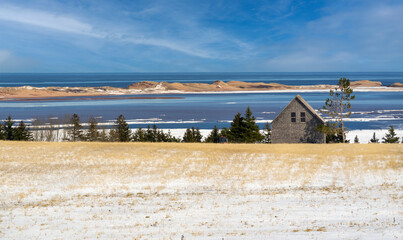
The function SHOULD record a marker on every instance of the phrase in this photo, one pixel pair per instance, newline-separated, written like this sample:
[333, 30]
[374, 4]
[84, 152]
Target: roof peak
[306, 104]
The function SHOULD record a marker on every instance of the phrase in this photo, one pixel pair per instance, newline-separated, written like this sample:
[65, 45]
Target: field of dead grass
[166, 190]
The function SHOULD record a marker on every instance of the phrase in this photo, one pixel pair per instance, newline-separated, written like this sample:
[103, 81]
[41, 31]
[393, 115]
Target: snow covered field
[200, 191]
[363, 135]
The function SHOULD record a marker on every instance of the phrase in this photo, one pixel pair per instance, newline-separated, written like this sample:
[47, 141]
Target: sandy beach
[27, 93]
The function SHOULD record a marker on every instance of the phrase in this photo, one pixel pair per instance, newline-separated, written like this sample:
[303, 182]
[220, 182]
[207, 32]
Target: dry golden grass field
[200, 191]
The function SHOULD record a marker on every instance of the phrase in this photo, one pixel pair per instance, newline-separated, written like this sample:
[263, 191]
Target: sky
[200, 36]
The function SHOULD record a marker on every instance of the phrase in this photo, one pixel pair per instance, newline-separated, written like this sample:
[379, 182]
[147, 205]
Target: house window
[302, 116]
[293, 117]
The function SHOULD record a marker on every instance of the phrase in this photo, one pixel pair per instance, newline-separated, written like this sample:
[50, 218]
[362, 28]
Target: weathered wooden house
[296, 124]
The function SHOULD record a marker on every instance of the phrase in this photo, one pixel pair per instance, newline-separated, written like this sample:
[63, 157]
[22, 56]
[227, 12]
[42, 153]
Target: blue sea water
[371, 110]
[125, 79]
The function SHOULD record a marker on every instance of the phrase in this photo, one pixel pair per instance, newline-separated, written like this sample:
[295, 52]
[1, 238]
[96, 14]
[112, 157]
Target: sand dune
[148, 87]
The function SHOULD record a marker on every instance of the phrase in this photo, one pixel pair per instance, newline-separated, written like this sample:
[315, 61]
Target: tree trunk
[341, 120]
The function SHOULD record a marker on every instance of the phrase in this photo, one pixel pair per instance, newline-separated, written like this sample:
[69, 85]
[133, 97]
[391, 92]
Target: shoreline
[28, 93]
[80, 98]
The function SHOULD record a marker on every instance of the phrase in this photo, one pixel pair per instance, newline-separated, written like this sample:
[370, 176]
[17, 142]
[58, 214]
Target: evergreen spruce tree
[390, 137]
[22, 133]
[164, 137]
[237, 131]
[214, 136]
[192, 135]
[76, 131]
[92, 133]
[244, 129]
[338, 107]
[122, 129]
[9, 130]
[188, 136]
[197, 135]
[156, 134]
[374, 139]
[2, 134]
[356, 140]
[18, 132]
[139, 135]
[171, 138]
[252, 130]
[149, 134]
[267, 133]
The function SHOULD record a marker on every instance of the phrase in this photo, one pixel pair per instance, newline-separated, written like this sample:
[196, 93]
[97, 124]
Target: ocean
[125, 79]
[371, 110]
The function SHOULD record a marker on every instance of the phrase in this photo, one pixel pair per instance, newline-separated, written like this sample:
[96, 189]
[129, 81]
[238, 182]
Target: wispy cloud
[159, 35]
[344, 41]
[70, 24]
[46, 20]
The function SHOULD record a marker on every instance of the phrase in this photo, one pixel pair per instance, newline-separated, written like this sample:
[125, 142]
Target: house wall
[285, 131]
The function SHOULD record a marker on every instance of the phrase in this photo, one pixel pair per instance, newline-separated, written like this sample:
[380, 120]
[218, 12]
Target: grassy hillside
[165, 190]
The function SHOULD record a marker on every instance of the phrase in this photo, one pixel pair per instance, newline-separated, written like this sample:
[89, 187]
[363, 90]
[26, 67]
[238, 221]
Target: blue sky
[200, 36]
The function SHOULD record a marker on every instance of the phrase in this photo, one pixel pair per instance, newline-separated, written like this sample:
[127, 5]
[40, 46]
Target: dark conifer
[75, 132]
[390, 137]
[139, 135]
[149, 134]
[192, 135]
[236, 133]
[92, 133]
[214, 136]
[9, 130]
[244, 129]
[122, 129]
[197, 135]
[22, 133]
[2, 134]
[188, 136]
[374, 139]
[171, 138]
[156, 136]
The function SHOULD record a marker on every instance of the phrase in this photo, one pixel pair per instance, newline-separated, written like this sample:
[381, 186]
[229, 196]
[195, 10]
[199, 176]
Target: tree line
[243, 129]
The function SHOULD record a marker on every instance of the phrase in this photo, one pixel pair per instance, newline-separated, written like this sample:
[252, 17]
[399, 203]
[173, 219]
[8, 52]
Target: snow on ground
[200, 191]
[363, 135]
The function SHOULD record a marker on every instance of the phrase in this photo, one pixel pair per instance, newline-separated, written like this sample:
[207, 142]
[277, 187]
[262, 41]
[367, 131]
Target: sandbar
[28, 93]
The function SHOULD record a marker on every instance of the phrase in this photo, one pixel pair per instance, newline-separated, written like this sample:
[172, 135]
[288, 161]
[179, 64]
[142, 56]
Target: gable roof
[306, 104]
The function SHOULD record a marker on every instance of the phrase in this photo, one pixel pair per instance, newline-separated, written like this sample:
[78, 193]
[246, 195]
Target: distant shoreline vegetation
[243, 130]
[70, 129]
